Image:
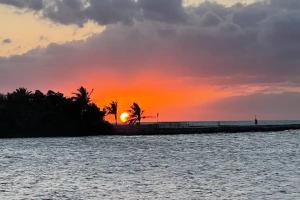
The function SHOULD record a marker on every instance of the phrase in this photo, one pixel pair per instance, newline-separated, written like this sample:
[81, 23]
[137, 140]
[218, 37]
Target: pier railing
[194, 124]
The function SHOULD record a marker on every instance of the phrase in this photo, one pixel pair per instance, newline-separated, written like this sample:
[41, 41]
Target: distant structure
[255, 120]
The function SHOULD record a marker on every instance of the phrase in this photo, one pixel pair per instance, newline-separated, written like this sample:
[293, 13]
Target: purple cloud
[242, 44]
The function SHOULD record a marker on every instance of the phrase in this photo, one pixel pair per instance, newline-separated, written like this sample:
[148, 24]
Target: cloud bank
[103, 12]
[255, 44]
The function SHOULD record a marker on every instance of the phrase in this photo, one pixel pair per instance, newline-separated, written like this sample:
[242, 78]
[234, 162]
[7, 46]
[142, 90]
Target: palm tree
[82, 99]
[136, 114]
[83, 96]
[21, 94]
[112, 109]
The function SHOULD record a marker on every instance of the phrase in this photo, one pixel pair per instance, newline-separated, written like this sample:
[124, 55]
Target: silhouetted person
[255, 121]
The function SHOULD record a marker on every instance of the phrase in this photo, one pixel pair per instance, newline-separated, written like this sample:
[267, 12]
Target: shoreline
[153, 129]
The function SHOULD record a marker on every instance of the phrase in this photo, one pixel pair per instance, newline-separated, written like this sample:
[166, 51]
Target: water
[215, 166]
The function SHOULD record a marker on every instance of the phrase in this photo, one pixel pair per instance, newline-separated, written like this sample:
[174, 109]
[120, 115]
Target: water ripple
[220, 166]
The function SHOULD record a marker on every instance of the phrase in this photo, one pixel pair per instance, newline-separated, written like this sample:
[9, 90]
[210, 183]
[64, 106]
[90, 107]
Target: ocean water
[212, 166]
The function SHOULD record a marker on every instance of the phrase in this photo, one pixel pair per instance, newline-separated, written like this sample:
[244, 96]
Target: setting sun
[124, 117]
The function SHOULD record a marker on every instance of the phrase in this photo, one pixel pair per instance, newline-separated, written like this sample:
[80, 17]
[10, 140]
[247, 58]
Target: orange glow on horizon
[155, 93]
[174, 98]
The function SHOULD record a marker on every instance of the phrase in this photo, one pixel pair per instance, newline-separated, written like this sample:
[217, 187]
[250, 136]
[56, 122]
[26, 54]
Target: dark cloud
[242, 44]
[250, 16]
[6, 41]
[211, 19]
[30, 4]
[104, 11]
[287, 4]
[163, 10]
[65, 12]
[79, 11]
[112, 11]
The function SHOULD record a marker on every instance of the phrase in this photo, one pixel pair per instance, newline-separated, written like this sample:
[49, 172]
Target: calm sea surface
[220, 166]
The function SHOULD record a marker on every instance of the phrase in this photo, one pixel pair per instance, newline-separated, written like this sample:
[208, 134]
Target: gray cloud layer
[253, 44]
[265, 106]
[103, 11]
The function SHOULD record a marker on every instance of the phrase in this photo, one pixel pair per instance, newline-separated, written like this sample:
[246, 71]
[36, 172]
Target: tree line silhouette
[24, 113]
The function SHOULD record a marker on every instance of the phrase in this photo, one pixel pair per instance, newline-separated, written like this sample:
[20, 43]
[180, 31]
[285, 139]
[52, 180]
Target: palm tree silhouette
[112, 109]
[82, 96]
[23, 92]
[82, 99]
[136, 114]
[21, 95]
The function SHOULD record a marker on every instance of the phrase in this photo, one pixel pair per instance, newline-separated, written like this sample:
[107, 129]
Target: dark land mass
[25, 113]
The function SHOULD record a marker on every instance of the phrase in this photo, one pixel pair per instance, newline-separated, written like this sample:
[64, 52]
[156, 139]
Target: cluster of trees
[26, 113]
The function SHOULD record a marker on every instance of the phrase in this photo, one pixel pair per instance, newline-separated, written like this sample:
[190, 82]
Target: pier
[154, 129]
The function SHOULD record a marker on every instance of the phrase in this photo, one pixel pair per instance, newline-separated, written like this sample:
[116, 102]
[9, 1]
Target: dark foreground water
[223, 166]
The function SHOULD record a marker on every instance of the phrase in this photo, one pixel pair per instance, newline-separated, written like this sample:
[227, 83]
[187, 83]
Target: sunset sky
[187, 60]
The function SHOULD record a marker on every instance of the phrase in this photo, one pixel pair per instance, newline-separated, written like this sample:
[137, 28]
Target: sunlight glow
[124, 117]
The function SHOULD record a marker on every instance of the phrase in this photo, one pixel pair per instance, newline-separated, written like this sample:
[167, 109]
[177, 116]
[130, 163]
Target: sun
[124, 117]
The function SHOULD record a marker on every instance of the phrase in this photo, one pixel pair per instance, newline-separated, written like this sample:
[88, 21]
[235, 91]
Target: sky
[187, 60]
